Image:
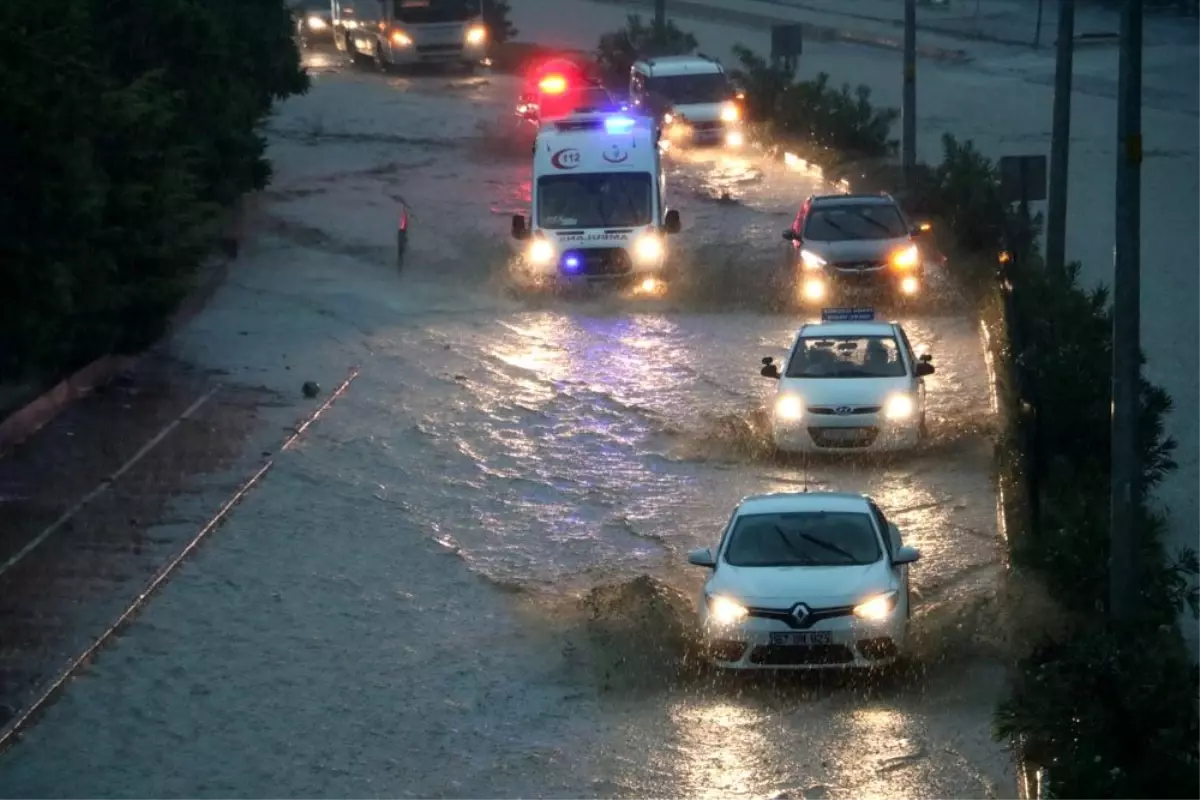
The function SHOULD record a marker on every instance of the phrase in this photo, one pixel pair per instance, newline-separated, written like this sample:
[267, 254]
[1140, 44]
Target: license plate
[843, 434]
[794, 639]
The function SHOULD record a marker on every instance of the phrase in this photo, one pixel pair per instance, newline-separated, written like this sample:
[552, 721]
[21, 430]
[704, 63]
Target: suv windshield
[846, 357]
[837, 223]
[418, 11]
[712, 87]
[805, 539]
[596, 200]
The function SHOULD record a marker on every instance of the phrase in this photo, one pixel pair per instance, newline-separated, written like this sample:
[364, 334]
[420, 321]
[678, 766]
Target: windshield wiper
[830, 546]
[791, 546]
[837, 227]
[877, 224]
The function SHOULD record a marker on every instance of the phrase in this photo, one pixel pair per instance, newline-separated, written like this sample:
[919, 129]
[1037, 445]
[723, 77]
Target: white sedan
[806, 581]
[850, 384]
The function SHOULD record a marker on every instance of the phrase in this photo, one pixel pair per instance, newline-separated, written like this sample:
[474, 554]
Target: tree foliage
[127, 128]
[495, 16]
[618, 50]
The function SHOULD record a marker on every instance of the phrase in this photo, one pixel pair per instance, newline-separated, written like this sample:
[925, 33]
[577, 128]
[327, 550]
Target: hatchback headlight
[878, 607]
[906, 258]
[724, 611]
[788, 407]
[541, 252]
[811, 260]
[899, 406]
[647, 248]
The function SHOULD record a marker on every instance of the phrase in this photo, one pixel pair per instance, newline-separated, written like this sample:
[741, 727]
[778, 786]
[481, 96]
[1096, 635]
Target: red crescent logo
[567, 158]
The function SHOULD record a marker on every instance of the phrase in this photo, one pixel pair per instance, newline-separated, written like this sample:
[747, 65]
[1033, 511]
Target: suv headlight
[878, 607]
[811, 260]
[789, 407]
[724, 611]
[899, 406]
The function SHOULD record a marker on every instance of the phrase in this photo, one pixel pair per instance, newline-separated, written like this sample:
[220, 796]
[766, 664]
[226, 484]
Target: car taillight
[553, 84]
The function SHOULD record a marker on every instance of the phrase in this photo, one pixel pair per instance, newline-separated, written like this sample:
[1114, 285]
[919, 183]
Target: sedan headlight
[906, 258]
[724, 611]
[541, 252]
[899, 406]
[811, 260]
[729, 113]
[647, 248]
[878, 607]
[316, 24]
[476, 34]
[788, 407]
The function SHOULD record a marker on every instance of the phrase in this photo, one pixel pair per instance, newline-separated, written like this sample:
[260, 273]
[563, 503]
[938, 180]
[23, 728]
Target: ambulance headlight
[899, 406]
[648, 248]
[540, 253]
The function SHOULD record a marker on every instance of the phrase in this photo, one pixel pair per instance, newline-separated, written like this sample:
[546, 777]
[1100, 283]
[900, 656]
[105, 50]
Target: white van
[692, 95]
[598, 201]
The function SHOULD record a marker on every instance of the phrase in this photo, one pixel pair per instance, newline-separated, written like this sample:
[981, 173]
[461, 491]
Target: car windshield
[846, 357]
[839, 223]
[684, 89]
[805, 539]
[418, 11]
[595, 200]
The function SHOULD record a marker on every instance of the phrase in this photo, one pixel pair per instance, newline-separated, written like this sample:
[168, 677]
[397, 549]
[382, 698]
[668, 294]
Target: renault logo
[843, 410]
[800, 613]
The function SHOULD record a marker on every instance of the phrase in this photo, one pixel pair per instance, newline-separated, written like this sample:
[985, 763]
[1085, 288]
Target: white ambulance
[598, 202]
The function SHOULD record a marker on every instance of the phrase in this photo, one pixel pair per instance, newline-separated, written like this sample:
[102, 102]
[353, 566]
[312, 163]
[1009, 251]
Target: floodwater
[468, 579]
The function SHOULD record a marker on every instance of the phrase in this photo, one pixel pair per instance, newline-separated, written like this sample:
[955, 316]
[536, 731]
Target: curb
[700, 11]
[32, 416]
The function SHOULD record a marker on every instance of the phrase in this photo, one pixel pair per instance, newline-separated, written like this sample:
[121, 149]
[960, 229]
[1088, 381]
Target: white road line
[104, 485]
[11, 732]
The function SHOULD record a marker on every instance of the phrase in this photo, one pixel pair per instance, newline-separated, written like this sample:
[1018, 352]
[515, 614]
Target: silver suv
[855, 241]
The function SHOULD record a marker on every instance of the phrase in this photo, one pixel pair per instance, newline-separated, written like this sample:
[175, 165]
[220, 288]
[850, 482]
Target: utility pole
[1060, 140]
[660, 20]
[909, 110]
[1126, 333]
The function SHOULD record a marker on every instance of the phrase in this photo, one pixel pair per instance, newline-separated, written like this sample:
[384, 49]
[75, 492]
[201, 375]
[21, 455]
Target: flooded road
[468, 578]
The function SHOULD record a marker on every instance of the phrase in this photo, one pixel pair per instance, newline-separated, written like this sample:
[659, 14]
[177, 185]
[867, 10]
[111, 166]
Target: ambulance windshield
[596, 200]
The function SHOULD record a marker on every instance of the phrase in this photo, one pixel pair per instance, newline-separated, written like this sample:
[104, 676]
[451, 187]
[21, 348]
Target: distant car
[806, 581]
[850, 384]
[314, 22]
[854, 242]
[560, 88]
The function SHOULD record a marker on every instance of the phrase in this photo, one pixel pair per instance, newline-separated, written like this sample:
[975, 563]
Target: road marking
[12, 730]
[104, 485]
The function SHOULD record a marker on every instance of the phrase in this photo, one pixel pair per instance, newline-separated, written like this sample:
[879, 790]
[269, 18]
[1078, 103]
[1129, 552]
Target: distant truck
[389, 33]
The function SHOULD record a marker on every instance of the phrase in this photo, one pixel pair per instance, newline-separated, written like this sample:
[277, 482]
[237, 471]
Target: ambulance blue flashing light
[618, 124]
[859, 314]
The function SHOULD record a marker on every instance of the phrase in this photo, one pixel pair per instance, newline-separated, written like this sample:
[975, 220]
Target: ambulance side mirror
[671, 221]
[519, 231]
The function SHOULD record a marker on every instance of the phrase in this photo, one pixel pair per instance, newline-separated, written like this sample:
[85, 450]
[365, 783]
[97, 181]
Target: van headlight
[541, 252]
[788, 407]
[899, 406]
[648, 248]
[476, 34]
[811, 260]
[729, 113]
[724, 611]
[877, 608]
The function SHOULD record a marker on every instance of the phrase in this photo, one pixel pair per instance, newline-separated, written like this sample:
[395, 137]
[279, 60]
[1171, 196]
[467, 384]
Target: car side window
[724, 536]
[893, 544]
[908, 348]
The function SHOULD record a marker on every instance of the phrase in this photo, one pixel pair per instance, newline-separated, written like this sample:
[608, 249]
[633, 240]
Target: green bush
[839, 121]
[618, 50]
[127, 129]
[495, 16]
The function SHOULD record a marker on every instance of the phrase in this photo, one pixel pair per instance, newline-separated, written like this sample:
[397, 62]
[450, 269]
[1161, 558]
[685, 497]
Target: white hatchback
[850, 384]
[806, 581]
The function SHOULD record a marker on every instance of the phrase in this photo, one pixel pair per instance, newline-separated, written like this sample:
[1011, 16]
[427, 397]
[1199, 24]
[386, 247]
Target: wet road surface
[468, 578]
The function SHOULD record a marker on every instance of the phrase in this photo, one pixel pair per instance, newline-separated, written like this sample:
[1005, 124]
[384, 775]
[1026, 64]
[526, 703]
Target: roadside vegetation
[1108, 710]
[129, 131]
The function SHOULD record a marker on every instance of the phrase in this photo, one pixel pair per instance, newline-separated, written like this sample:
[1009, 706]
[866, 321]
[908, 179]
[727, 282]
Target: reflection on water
[724, 753]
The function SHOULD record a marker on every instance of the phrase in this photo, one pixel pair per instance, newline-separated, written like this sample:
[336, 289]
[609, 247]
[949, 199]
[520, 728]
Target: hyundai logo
[800, 613]
[843, 410]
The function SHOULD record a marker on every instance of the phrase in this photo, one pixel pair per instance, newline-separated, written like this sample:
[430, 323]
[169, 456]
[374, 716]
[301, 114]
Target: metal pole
[909, 109]
[1060, 140]
[1037, 31]
[1126, 332]
[660, 20]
